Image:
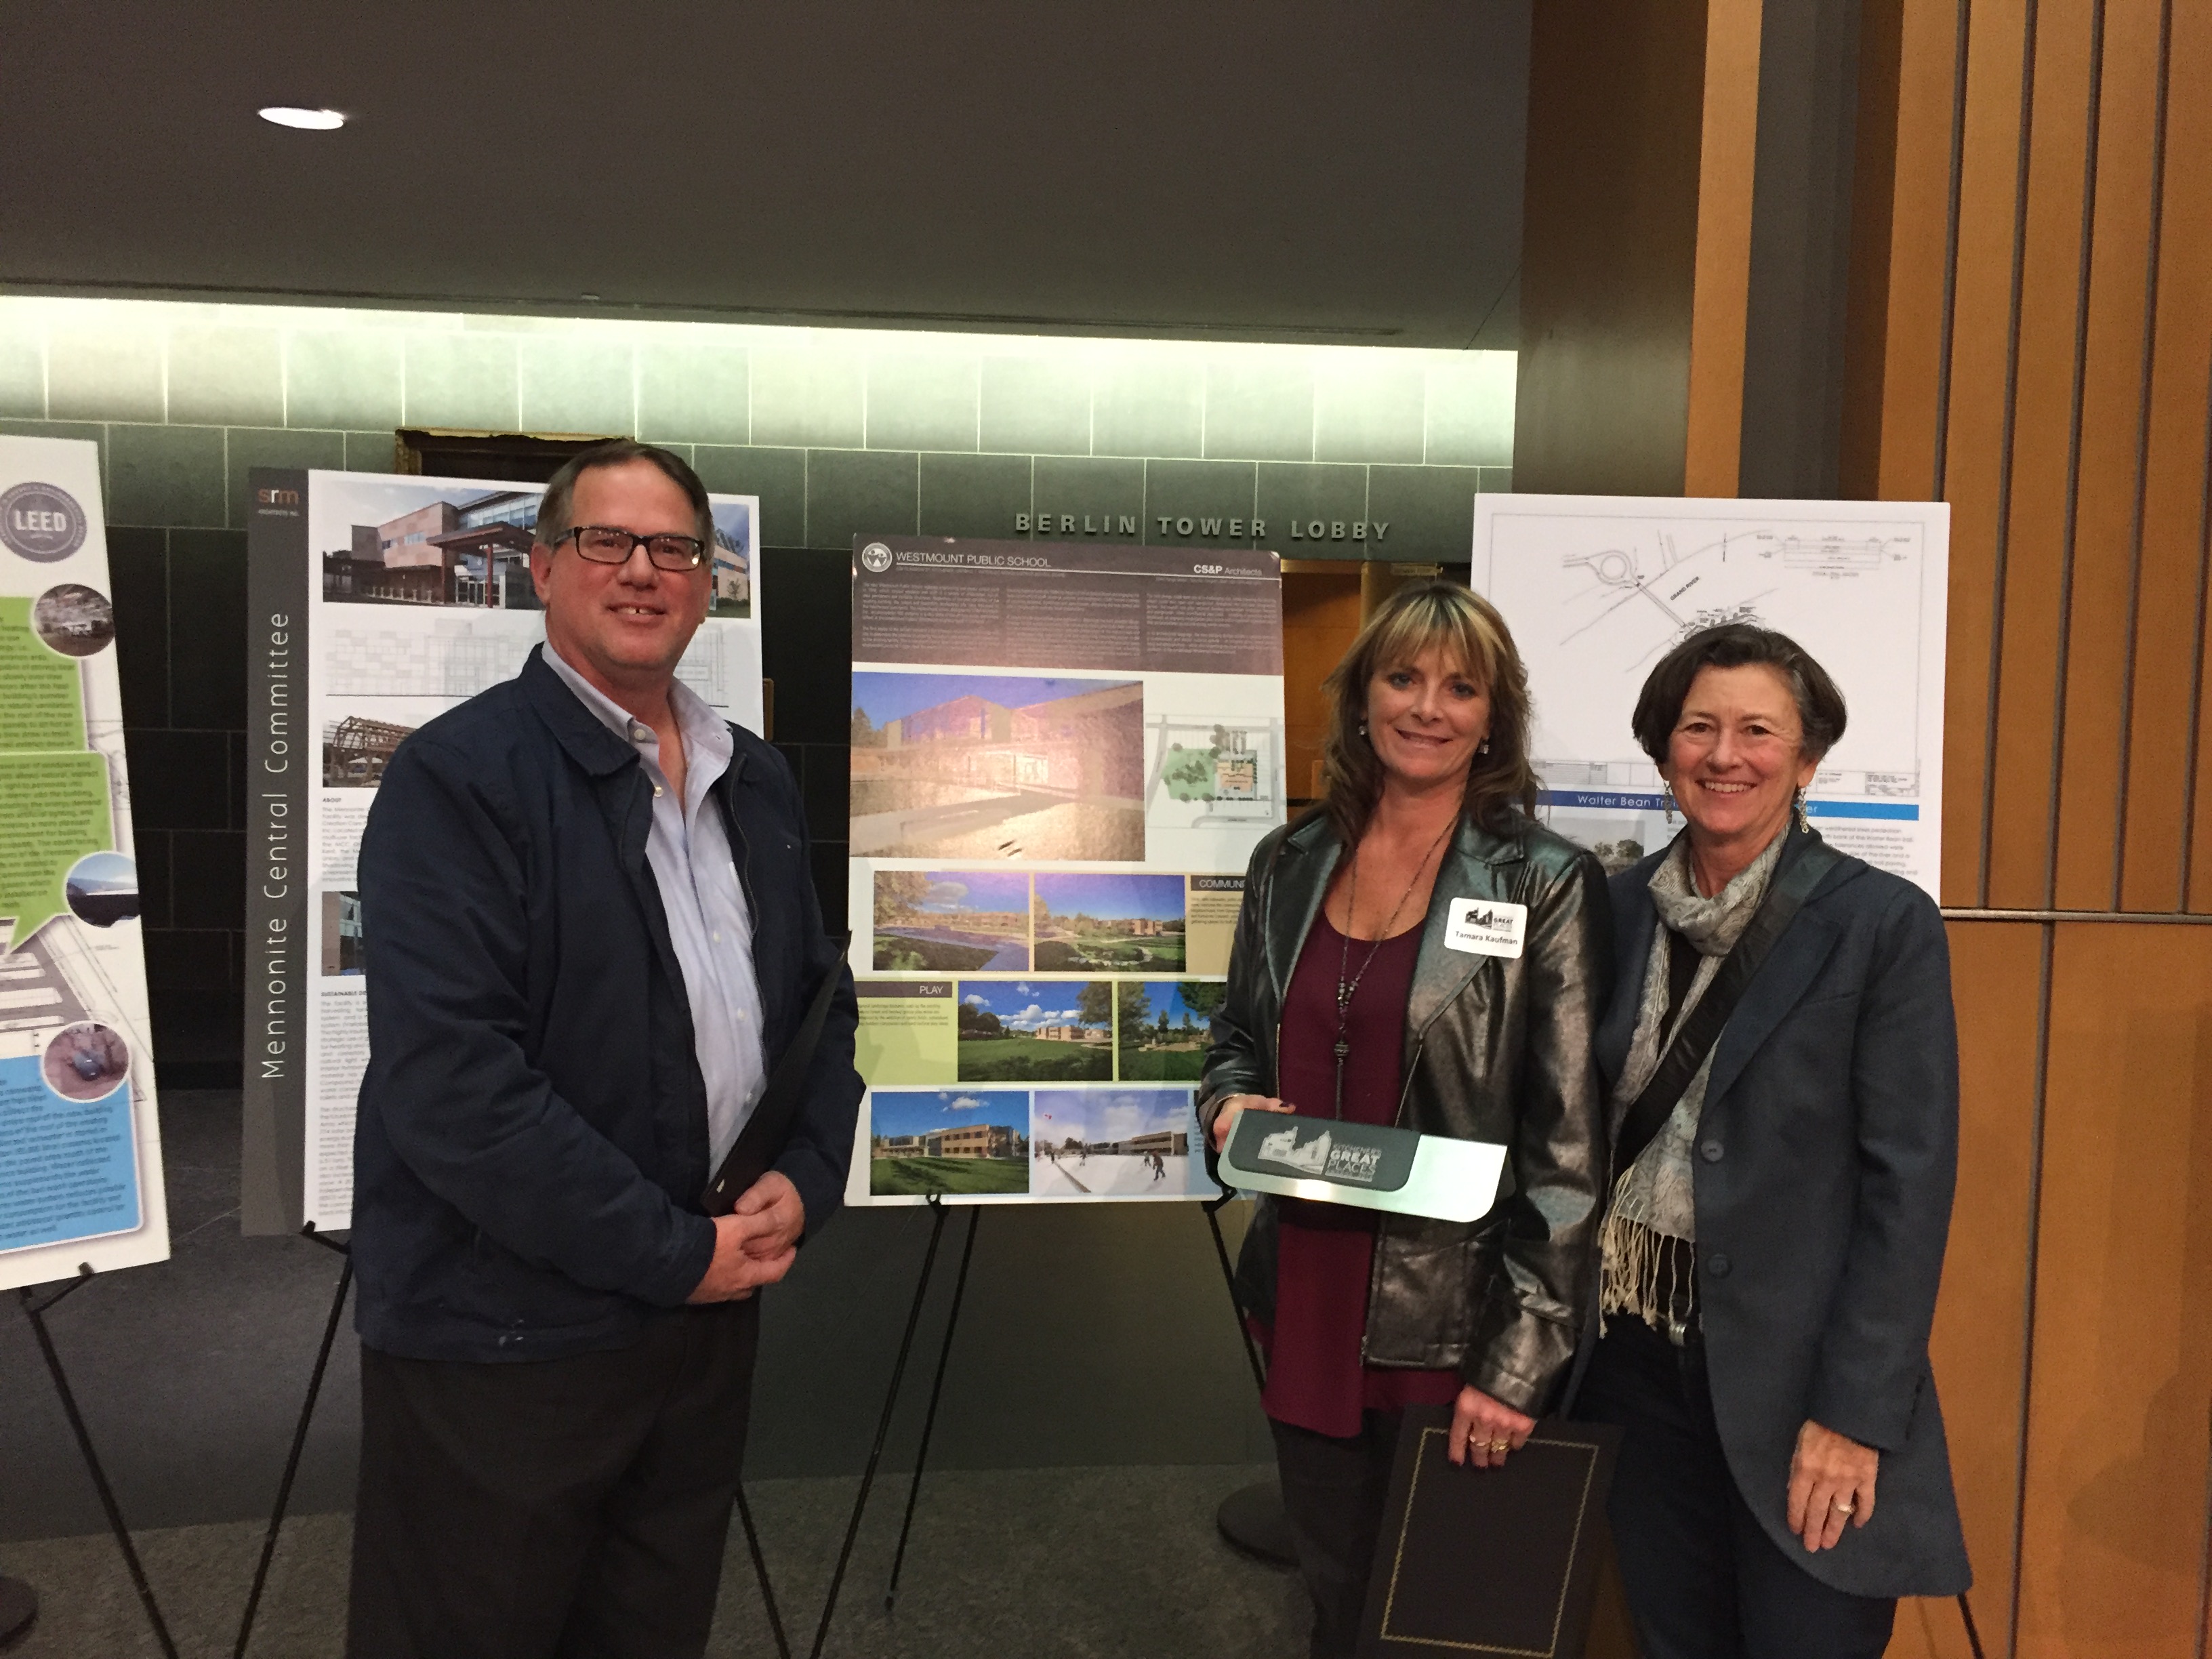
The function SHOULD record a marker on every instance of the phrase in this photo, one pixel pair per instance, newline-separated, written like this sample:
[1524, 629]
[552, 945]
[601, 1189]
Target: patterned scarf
[1655, 1198]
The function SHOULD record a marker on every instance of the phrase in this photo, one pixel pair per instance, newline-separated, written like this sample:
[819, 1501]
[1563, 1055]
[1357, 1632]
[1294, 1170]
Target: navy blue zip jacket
[531, 1146]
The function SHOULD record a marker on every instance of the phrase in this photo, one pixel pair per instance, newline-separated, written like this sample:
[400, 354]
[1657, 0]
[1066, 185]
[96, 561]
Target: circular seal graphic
[876, 558]
[41, 521]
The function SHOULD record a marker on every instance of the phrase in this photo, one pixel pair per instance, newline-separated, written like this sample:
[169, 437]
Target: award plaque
[1373, 1166]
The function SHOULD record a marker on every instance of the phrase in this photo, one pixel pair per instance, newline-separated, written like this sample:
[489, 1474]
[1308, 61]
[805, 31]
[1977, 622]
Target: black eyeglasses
[603, 544]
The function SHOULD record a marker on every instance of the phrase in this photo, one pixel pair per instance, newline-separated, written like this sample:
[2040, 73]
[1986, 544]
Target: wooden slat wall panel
[2113, 1533]
[2115, 364]
[1972, 474]
[1609, 245]
[1930, 1629]
[1980, 1345]
[2046, 366]
[1320, 615]
[1916, 330]
[2183, 393]
[1873, 208]
[2032, 534]
[2071, 384]
[1727, 152]
[2168, 603]
[2072, 407]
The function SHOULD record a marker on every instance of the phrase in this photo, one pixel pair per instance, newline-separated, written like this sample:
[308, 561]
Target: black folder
[761, 1142]
[1499, 1561]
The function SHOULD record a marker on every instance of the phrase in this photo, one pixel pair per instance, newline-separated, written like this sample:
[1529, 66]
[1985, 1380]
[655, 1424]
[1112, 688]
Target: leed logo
[41, 522]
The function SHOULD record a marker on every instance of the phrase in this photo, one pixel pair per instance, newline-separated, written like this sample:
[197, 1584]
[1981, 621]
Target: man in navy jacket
[595, 933]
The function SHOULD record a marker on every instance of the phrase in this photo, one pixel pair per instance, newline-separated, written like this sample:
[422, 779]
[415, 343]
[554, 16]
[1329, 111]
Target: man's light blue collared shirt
[708, 921]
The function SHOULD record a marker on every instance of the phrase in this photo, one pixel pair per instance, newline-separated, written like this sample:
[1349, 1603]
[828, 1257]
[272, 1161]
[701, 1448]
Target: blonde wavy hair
[1473, 636]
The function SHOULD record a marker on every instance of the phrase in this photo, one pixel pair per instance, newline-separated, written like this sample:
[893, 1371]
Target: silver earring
[1363, 728]
[1484, 747]
[1667, 795]
[1804, 821]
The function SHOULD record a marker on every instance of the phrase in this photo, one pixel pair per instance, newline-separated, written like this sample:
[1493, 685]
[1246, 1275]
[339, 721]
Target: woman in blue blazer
[1775, 1235]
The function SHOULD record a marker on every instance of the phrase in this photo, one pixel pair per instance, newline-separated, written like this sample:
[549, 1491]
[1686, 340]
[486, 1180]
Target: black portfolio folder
[1490, 1561]
[761, 1142]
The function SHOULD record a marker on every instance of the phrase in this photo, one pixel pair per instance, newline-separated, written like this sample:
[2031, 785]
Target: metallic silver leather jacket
[1497, 1050]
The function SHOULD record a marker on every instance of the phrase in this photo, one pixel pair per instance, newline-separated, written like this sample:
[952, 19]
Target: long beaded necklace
[1346, 987]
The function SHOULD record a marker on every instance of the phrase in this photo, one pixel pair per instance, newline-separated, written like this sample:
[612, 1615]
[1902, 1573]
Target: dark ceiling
[1296, 171]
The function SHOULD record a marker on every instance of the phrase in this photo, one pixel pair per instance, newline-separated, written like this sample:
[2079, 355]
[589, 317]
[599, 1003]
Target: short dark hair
[553, 509]
[1738, 645]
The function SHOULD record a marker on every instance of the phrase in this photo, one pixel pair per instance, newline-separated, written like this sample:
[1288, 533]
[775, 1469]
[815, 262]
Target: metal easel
[36, 1308]
[938, 1212]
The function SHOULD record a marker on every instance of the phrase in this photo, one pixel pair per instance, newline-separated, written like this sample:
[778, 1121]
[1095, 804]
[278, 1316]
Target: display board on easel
[80, 1149]
[1063, 755]
[1597, 588]
[376, 602]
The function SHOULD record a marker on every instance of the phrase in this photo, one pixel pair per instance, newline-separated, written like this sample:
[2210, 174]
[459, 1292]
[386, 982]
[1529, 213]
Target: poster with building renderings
[1063, 755]
[1597, 588]
[375, 603]
[80, 1147]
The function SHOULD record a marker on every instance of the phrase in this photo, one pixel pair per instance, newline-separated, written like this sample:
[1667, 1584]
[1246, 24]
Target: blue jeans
[1704, 1579]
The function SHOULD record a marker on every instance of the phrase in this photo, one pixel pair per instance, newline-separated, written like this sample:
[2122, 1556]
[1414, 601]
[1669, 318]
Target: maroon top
[1326, 1251]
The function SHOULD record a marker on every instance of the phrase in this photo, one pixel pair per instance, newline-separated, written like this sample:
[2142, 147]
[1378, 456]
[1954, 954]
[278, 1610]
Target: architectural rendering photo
[1112, 1143]
[1119, 924]
[951, 920]
[733, 560]
[1160, 1028]
[473, 551]
[979, 766]
[356, 750]
[922, 1141]
[1036, 1031]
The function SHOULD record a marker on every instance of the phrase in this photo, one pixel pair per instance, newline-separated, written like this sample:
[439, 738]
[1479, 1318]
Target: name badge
[1486, 927]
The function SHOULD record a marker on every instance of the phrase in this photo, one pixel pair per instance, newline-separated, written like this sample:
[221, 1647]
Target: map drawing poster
[375, 603]
[80, 1148]
[1597, 588]
[1063, 755]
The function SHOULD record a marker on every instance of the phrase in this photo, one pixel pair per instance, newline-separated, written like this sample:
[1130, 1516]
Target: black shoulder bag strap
[770, 1127]
[1791, 887]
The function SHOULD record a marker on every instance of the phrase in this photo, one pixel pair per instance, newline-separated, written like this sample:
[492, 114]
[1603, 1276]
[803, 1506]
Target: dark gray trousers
[557, 1508]
[1333, 1490]
[1704, 1579]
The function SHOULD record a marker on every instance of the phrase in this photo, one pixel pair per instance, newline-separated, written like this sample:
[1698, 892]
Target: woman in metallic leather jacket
[1350, 996]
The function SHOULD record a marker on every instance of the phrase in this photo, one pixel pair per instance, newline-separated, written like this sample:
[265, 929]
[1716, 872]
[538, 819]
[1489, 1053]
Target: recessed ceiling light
[309, 120]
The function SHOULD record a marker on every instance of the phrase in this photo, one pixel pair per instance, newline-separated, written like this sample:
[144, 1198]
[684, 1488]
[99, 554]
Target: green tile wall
[226, 377]
[838, 431]
[23, 372]
[1311, 451]
[343, 380]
